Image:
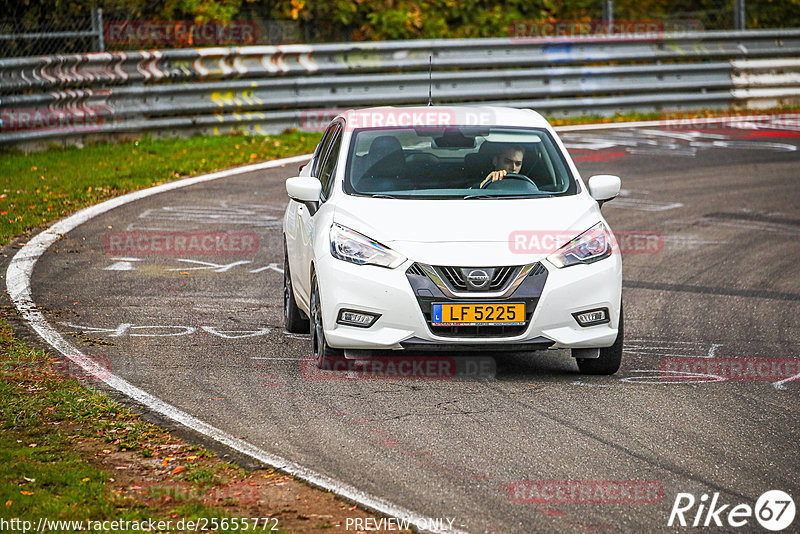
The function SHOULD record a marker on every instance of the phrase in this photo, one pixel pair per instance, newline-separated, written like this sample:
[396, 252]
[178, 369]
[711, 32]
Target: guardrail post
[739, 15]
[97, 27]
[608, 15]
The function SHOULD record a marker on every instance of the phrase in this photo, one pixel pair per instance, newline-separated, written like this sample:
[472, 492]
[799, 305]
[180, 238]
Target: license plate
[498, 314]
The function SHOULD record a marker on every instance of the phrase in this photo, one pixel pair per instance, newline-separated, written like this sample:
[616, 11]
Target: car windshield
[455, 162]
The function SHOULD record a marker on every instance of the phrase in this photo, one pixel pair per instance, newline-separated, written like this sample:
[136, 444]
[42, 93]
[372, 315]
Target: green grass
[41, 187]
[44, 415]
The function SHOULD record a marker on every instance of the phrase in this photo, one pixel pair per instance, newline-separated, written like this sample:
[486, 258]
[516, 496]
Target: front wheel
[610, 357]
[325, 356]
[294, 320]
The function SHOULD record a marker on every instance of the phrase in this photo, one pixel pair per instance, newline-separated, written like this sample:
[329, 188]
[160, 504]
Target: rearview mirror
[305, 189]
[604, 187]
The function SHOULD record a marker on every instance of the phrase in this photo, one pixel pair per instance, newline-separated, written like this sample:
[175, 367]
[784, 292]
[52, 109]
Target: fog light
[357, 318]
[592, 317]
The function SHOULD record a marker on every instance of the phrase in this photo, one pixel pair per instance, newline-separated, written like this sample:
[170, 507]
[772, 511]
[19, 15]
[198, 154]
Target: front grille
[415, 269]
[501, 276]
[454, 276]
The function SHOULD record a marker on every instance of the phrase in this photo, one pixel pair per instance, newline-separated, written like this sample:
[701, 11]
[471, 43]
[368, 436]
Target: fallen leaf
[178, 470]
[8, 502]
[26, 492]
[32, 444]
[85, 479]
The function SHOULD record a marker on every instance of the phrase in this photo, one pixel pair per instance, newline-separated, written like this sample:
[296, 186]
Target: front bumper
[552, 295]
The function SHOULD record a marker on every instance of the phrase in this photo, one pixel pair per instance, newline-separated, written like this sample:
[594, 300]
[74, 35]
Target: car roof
[381, 117]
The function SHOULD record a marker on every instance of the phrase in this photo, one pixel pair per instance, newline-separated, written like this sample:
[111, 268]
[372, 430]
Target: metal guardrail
[264, 89]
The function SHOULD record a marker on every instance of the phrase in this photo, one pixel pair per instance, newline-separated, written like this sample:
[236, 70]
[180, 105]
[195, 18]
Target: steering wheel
[511, 176]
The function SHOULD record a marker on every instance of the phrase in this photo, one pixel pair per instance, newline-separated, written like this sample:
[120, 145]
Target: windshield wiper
[382, 195]
[472, 197]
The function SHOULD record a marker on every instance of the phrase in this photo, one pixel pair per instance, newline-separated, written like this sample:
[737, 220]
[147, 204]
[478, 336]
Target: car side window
[322, 148]
[328, 167]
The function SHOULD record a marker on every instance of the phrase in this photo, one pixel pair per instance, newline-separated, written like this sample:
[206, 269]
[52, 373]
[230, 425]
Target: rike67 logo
[774, 510]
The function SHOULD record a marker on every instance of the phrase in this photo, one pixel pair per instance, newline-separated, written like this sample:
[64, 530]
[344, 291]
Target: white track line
[18, 280]
[678, 123]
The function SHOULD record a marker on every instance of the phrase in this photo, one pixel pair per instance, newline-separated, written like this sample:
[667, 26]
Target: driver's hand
[493, 177]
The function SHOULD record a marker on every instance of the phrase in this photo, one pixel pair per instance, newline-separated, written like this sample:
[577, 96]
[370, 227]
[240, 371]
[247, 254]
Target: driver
[508, 160]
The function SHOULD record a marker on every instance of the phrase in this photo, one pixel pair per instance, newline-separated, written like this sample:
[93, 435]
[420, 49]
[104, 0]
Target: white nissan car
[451, 229]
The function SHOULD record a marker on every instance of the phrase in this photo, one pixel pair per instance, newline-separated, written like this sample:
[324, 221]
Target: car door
[324, 169]
[292, 223]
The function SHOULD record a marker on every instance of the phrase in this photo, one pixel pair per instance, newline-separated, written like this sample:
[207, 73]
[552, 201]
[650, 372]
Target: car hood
[469, 232]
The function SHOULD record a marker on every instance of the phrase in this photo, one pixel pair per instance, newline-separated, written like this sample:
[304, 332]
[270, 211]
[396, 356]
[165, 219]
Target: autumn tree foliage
[333, 20]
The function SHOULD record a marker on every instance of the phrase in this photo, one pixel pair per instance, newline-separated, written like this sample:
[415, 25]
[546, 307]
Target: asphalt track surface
[204, 333]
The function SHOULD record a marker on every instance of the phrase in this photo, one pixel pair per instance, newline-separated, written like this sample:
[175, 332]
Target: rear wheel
[325, 356]
[610, 357]
[294, 320]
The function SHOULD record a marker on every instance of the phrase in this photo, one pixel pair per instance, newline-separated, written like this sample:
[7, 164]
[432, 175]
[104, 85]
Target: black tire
[294, 320]
[610, 357]
[326, 357]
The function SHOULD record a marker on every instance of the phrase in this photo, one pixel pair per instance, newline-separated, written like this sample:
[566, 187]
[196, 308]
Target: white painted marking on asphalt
[235, 334]
[223, 213]
[670, 377]
[269, 358]
[18, 282]
[780, 384]
[296, 336]
[586, 384]
[673, 349]
[690, 240]
[128, 328]
[663, 123]
[214, 267]
[273, 266]
[643, 204]
[122, 264]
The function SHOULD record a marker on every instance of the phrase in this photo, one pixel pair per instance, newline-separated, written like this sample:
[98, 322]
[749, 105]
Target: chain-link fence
[25, 37]
[691, 15]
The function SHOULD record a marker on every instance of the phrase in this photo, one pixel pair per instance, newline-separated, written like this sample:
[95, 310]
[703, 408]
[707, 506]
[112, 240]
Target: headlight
[593, 245]
[349, 245]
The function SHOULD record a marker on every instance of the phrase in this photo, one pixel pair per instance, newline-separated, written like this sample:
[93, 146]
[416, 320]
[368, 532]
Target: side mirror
[604, 187]
[305, 189]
